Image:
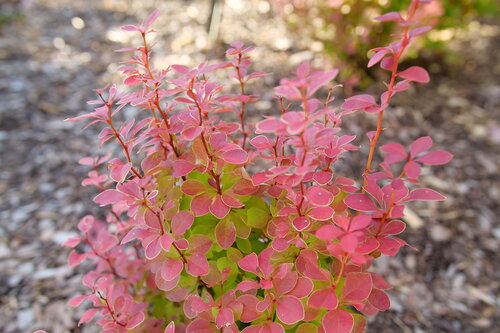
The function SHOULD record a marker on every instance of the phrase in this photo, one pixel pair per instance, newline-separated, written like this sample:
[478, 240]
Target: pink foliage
[199, 237]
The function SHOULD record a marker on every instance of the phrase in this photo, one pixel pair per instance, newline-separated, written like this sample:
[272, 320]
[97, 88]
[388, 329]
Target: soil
[54, 52]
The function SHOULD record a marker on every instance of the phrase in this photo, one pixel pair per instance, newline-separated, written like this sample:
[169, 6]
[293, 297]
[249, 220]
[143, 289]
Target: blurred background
[54, 52]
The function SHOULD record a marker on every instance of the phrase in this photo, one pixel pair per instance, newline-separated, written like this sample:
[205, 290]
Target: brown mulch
[54, 52]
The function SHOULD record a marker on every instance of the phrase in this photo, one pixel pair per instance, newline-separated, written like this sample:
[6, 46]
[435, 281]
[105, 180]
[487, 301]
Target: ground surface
[53, 52]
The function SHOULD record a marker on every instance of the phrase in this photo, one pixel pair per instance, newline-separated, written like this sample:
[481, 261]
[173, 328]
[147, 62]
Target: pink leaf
[166, 241]
[249, 313]
[437, 157]
[323, 177]
[357, 287]
[133, 234]
[218, 140]
[260, 141]
[360, 202]
[379, 300]
[197, 304]
[328, 232]
[420, 30]
[183, 244]
[120, 171]
[338, 321]
[231, 201]
[77, 300]
[193, 187]
[402, 85]
[394, 227]
[303, 288]
[307, 264]
[87, 161]
[225, 233]
[394, 149]
[218, 208]
[387, 63]
[249, 263]
[379, 282]
[324, 298]
[109, 197]
[75, 258]
[272, 327]
[199, 244]
[170, 328]
[412, 169]
[153, 249]
[200, 205]
[360, 222]
[425, 194]
[265, 304]
[415, 73]
[130, 28]
[86, 223]
[270, 125]
[197, 265]
[247, 285]
[369, 245]
[377, 57]
[72, 242]
[235, 156]
[224, 318]
[349, 242]
[182, 167]
[301, 223]
[152, 18]
[259, 178]
[358, 102]
[289, 309]
[181, 222]
[201, 326]
[88, 315]
[191, 133]
[181, 69]
[171, 268]
[136, 320]
[391, 16]
[321, 213]
[420, 145]
[319, 196]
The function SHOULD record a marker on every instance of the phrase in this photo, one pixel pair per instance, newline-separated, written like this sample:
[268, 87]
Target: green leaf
[257, 202]
[306, 328]
[204, 225]
[202, 177]
[223, 263]
[244, 245]
[228, 179]
[257, 217]
[242, 229]
[234, 254]
[185, 202]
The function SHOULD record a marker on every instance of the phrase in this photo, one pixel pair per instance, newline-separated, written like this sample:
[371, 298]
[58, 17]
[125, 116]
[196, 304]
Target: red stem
[109, 121]
[243, 103]
[390, 87]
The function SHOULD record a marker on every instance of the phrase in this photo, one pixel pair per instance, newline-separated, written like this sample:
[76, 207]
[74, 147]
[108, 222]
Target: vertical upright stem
[390, 88]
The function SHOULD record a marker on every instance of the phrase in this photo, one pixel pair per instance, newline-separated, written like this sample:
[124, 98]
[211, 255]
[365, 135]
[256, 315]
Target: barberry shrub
[219, 225]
